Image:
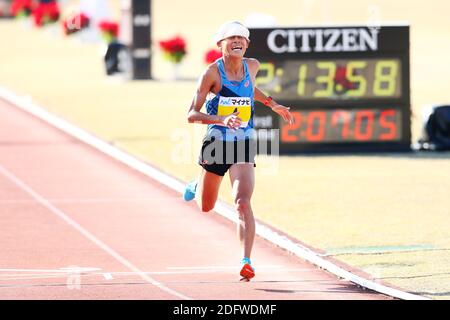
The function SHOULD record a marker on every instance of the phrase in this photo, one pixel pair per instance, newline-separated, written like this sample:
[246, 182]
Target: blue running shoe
[189, 191]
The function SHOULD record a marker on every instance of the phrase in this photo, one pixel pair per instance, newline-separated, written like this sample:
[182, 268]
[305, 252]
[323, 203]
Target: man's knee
[242, 205]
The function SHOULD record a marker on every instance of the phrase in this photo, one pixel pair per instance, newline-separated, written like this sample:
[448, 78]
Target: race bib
[229, 105]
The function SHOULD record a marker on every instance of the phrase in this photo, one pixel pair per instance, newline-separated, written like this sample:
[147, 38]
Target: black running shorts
[218, 156]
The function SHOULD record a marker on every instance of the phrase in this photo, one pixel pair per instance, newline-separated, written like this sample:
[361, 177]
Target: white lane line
[19, 183]
[34, 277]
[90, 200]
[61, 270]
[221, 207]
[223, 267]
[108, 276]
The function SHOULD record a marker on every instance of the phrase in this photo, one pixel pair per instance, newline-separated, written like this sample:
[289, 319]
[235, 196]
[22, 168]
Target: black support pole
[141, 39]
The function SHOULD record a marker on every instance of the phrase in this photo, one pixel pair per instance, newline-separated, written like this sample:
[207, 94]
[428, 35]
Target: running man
[230, 144]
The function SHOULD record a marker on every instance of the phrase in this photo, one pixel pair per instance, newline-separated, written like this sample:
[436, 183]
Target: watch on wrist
[268, 100]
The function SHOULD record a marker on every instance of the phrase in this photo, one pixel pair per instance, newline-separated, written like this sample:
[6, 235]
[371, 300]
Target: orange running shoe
[247, 271]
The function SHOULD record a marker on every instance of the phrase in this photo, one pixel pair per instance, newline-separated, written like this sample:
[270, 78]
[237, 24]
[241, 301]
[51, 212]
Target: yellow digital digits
[356, 79]
[302, 79]
[267, 78]
[327, 79]
[389, 78]
[384, 83]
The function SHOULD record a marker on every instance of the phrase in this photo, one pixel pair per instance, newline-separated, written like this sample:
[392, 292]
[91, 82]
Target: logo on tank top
[229, 105]
[246, 83]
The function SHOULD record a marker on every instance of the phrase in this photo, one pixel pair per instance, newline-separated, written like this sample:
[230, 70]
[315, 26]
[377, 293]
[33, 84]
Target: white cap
[232, 28]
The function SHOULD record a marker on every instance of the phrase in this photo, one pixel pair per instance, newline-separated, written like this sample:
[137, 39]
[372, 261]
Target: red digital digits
[358, 132]
[386, 123]
[337, 125]
[341, 116]
[314, 116]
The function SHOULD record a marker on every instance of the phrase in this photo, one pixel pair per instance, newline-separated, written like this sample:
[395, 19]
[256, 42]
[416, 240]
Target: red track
[65, 204]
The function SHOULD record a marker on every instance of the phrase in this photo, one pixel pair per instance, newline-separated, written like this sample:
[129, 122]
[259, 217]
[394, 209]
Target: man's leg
[208, 190]
[242, 176]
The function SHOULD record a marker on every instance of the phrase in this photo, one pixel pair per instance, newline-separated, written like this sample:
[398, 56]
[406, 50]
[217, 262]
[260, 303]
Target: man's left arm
[267, 100]
[276, 107]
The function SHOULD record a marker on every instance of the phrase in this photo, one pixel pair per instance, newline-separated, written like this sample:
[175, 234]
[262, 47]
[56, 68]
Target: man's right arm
[194, 115]
[205, 85]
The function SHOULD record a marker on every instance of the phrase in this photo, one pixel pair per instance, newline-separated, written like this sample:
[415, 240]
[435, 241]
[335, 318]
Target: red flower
[46, 12]
[25, 6]
[109, 27]
[75, 23]
[173, 45]
[174, 49]
[212, 55]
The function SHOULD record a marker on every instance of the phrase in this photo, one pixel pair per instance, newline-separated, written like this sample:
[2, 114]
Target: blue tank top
[233, 96]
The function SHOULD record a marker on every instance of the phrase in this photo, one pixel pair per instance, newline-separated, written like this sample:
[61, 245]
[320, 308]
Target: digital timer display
[331, 79]
[341, 125]
[347, 87]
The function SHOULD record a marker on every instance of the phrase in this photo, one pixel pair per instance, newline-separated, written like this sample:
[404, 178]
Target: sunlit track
[90, 200]
[72, 207]
[44, 202]
[109, 275]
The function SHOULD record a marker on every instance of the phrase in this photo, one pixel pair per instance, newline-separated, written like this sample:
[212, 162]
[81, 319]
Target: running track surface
[75, 224]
